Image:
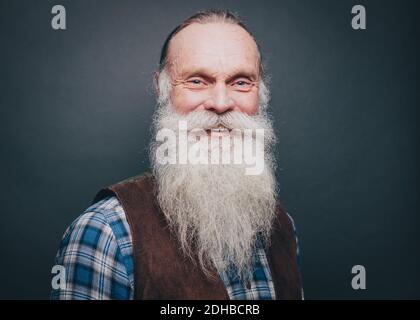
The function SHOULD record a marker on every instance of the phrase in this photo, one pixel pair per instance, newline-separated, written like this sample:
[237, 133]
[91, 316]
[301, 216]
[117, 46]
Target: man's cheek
[187, 101]
[249, 106]
[246, 102]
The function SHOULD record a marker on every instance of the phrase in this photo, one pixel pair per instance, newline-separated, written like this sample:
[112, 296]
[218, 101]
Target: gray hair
[203, 17]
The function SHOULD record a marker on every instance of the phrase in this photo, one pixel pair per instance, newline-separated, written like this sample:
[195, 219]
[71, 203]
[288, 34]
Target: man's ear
[156, 82]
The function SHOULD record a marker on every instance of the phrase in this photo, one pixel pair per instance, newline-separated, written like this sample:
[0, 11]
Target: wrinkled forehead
[218, 48]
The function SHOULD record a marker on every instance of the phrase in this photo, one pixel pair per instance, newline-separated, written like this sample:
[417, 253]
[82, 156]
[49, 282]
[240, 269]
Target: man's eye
[195, 81]
[242, 84]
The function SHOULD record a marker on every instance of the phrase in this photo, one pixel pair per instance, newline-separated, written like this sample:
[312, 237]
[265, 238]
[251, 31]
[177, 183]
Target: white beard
[216, 211]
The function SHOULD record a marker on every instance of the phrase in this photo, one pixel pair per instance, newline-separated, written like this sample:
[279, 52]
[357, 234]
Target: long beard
[216, 211]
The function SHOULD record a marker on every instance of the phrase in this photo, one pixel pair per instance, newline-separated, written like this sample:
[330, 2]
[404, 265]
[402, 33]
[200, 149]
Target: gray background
[76, 108]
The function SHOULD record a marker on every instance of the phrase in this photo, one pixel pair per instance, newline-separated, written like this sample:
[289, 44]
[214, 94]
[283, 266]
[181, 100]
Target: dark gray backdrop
[76, 108]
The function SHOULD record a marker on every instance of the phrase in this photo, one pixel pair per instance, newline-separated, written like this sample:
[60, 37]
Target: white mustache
[207, 120]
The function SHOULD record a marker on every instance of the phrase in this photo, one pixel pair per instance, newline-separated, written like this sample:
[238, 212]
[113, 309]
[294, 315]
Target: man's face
[214, 67]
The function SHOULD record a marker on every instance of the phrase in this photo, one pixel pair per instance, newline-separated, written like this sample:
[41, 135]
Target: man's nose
[219, 100]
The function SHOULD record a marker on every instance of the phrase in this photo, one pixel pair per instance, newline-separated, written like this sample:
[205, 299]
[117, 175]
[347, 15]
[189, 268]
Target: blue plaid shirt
[97, 253]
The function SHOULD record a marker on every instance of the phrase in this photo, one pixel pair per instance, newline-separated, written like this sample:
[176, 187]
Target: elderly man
[203, 229]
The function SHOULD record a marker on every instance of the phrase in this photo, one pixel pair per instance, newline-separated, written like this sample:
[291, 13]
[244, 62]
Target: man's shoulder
[106, 210]
[285, 220]
[143, 180]
[104, 219]
[97, 245]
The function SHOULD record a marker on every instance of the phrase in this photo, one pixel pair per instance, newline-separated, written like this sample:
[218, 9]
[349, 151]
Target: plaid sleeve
[96, 252]
[298, 254]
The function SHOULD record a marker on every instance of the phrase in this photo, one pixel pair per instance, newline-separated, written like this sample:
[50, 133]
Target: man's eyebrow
[197, 73]
[243, 74]
[200, 72]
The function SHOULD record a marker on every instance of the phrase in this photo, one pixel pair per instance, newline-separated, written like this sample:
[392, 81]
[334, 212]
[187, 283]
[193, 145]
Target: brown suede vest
[161, 270]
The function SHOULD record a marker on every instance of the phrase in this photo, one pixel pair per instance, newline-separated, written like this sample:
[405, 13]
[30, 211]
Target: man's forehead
[213, 47]
[215, 64]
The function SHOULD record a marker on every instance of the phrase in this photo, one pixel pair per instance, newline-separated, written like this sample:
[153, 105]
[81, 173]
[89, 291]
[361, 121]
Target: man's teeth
[220, 128]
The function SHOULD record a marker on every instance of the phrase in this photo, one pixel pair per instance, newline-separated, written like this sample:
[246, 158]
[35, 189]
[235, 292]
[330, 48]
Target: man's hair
[203, 17]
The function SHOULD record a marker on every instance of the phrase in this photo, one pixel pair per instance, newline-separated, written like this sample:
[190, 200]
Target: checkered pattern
[261, 287]
[97, 253]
